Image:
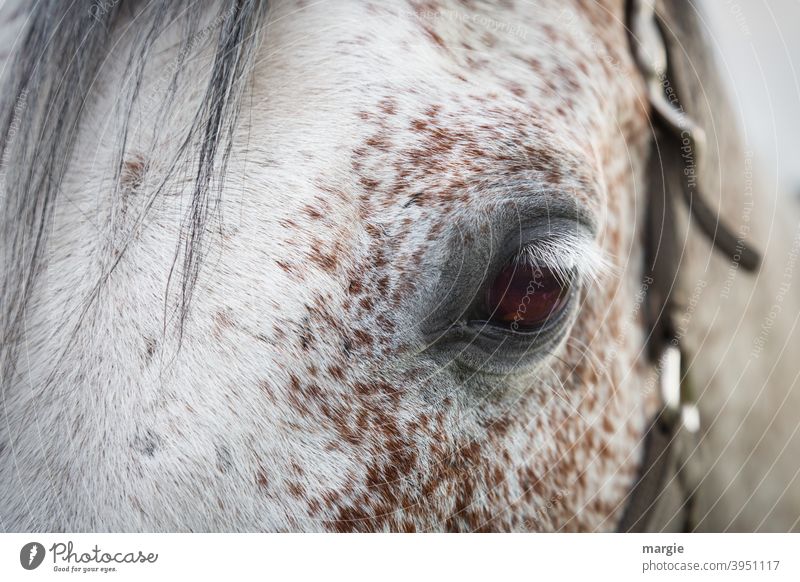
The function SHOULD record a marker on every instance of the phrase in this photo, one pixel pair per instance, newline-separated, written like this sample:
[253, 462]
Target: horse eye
[525, 297]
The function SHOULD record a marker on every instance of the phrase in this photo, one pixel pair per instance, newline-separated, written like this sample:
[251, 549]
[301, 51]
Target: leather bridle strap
[654, 474]
[674, 131]
[658, 466]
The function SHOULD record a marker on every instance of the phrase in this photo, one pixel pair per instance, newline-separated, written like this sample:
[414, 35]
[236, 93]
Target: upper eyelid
[553, 219]
[530, 200]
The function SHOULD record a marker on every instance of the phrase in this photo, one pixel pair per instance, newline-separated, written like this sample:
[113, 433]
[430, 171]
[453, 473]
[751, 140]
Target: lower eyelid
[555, 319]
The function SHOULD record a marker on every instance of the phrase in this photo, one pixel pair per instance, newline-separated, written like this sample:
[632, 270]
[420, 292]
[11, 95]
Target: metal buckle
[670, 379]
[676, 401]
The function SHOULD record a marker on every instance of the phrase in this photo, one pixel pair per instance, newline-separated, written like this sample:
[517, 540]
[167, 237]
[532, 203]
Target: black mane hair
[59, 55]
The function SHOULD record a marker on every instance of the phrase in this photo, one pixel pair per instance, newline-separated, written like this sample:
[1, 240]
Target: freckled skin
[310, 404]
[423, 149]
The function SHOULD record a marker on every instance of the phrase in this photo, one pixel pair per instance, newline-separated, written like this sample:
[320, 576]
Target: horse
[386, 266]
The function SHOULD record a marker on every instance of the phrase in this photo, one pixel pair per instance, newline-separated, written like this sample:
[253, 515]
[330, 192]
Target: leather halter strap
[675, 130]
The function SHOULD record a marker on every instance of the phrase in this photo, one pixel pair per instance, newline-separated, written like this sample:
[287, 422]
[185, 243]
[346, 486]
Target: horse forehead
[551, 49]
[419, 93]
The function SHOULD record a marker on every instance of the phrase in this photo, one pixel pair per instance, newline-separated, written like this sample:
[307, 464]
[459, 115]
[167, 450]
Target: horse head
[339, 266]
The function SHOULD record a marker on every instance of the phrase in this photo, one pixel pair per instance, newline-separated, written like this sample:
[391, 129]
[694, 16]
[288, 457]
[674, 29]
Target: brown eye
[524, 297]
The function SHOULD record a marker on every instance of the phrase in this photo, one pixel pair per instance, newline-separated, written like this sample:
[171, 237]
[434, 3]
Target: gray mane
[61, 51]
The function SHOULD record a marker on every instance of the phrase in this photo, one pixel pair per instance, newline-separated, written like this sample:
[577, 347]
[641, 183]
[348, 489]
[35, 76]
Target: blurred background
[759, 41]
